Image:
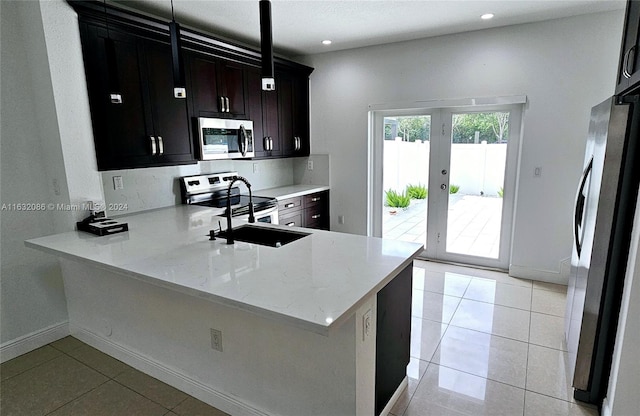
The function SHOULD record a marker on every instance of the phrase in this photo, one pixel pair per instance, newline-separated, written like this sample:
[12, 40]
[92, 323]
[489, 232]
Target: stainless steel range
[210, 190]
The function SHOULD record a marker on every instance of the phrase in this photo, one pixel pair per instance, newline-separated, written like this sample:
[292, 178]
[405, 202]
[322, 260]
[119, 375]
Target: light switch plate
[118, 183]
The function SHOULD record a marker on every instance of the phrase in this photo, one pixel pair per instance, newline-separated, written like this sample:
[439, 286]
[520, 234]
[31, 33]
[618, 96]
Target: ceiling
[299, 26]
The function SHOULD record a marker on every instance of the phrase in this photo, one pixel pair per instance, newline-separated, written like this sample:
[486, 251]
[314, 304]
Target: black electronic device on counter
[101, 225]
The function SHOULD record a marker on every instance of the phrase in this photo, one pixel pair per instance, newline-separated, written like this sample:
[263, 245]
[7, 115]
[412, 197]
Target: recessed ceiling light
[326, 42]
[487, 16]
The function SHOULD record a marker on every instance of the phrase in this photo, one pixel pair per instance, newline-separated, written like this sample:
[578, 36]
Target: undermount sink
[265, 236]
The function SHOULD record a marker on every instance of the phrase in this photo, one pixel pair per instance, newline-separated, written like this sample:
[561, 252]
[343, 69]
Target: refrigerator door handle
[579, 209]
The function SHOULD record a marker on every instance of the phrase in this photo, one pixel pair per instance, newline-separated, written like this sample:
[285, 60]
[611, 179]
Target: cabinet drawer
[291, 220]
[291, 204]
[315, 199]
[314, 215]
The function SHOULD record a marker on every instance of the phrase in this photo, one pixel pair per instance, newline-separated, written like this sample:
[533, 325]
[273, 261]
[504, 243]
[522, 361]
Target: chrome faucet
[251, 217]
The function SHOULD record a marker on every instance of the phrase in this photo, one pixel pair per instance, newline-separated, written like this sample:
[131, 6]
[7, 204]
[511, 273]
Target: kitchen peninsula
[319, 326]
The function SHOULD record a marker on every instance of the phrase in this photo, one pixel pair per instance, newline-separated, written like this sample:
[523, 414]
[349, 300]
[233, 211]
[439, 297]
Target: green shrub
[501, 192]
[418, 191]
[453, 189]
[397, 200]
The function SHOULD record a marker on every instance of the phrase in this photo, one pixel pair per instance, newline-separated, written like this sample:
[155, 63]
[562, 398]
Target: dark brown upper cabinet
[629, 66]
[217, 88]
[146, 126]
[152, 128]
[293, 105]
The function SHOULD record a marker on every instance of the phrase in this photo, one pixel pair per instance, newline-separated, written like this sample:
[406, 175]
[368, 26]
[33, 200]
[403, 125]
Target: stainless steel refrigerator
[603, 218]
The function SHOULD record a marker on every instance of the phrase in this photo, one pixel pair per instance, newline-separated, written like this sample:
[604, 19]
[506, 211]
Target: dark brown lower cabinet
[393, 336]
[310, 211]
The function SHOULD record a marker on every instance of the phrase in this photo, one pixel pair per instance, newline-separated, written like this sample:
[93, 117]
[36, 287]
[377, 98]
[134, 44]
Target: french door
[445, 177]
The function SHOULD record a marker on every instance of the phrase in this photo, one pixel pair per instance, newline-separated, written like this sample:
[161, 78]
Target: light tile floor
[70, 378]
[473, 224]
[482, 343]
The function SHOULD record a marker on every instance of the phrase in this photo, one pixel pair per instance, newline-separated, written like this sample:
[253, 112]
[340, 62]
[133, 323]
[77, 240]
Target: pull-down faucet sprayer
[251, 216]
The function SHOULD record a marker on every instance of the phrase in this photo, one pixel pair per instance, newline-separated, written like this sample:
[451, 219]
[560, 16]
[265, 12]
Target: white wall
[564, 67]
[31, 172]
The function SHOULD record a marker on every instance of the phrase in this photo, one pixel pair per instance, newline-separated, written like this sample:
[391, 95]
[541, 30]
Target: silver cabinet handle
[443, 186]
[290, 224]
[265, 141]
[115, 98]
[297, 143]
[221, 98]
[160, 146]
[315, 217]
[289, 205]
[315, 199]
[153, 145]
[226, 99]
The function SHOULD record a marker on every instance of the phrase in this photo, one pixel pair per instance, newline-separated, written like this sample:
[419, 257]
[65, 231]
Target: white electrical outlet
[118, 183]
[310, 165]
[366, 324]
[340, 219]
[216, 339]
[537, 171]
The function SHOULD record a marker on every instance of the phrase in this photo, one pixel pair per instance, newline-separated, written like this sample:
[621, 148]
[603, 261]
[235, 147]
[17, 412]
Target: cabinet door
[284, 87]
[629, 67]
[121, 131]
[203, 83]
[270, 121]
[170, 121]
[300, 114]
[254, 107]
[233, 83]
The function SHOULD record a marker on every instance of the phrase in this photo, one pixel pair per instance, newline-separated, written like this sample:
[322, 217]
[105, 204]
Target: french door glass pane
[476, 182]
[405, 177]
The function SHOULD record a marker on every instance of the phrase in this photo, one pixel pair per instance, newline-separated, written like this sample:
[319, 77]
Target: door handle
[160, 146]
[579, 208]
[153, 145]
[226, 100]
[243, 140]
[221, 98]
[270, 143]
[443, 186]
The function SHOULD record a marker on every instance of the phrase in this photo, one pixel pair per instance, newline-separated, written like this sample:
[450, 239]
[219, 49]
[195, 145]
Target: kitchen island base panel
[281, 369]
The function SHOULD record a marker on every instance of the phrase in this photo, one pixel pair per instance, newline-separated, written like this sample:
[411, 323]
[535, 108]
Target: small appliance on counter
[97, 223]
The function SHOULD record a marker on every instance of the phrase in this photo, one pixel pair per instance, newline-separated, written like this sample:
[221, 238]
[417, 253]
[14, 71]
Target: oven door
[266, 216]
[225, 139]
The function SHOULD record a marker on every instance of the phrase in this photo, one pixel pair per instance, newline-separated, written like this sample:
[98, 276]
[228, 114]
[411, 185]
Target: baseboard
[395, 397]
[27, 343]
[549, 276]
[171, 376]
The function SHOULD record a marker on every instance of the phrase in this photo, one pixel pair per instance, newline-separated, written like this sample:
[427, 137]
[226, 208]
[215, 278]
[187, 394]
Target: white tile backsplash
[151, 188]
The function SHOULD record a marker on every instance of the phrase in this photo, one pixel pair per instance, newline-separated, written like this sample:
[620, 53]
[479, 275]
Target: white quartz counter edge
[150, 252]
[303, 324]
[291, 191]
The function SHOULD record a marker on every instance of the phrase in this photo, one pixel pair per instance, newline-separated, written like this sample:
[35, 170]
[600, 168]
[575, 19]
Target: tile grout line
[526, 368]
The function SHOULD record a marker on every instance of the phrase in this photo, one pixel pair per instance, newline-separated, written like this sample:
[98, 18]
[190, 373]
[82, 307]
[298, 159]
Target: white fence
[476, 168]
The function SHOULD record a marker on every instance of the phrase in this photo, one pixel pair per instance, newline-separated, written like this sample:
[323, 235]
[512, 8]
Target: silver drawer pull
[290, 224]
[153, 145]
[289, 205]
[316, 199]
[160, 146]
[315, 217]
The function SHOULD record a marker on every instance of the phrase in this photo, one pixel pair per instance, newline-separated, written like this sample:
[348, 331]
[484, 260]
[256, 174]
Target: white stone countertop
[291, 191]
[315, 283]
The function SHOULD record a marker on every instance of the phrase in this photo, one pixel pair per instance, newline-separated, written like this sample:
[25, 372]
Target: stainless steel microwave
[225, 139]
